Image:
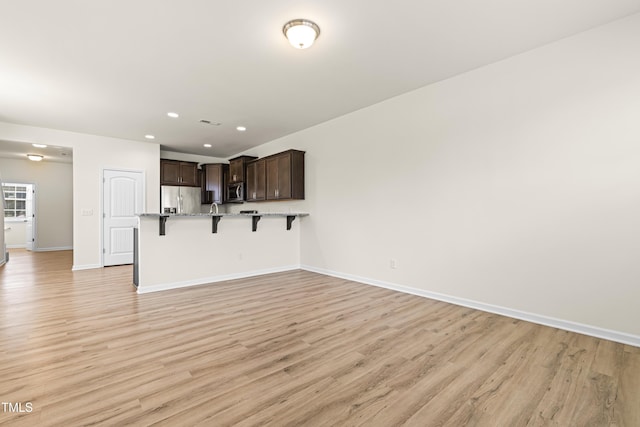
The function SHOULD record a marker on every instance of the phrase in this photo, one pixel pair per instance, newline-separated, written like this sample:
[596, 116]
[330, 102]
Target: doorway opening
[19, 215]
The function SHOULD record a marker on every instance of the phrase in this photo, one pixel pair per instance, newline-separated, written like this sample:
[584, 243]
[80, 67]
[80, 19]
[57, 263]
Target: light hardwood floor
[288, 349]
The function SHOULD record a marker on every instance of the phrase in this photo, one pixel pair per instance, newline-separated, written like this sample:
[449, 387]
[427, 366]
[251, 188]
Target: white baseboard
[60, 248]
[213, 279]
[85, 267]
[566, 325]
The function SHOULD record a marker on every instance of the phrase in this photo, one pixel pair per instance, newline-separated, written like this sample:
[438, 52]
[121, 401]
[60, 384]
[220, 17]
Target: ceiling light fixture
[241, 128]
[301, 33]
[40, 145]
[150, 137]
[35, 157]
[172, 114]
[207, 145]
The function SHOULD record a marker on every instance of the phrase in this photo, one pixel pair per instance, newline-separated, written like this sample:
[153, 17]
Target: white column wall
[190, 254]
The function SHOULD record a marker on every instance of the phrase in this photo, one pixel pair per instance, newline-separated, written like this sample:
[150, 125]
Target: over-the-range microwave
[235, 192]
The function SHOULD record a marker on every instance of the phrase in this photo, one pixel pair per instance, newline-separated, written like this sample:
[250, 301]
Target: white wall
[185, 157]
[515, 185]
[204, 257]
[91, 155]
[54, 202]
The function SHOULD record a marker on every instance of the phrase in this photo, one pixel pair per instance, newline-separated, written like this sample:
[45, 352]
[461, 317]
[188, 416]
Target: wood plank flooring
[288, 349]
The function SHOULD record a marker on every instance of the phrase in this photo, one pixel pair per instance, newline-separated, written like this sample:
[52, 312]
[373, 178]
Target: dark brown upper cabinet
[175, 172]
[256, 180]
[285, 175]
[237, 168]
[213, 182]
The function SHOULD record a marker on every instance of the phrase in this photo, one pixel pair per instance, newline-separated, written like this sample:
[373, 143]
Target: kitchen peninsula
[178, 250]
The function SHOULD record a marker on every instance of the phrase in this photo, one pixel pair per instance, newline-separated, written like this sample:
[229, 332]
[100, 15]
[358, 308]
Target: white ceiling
[115, 68]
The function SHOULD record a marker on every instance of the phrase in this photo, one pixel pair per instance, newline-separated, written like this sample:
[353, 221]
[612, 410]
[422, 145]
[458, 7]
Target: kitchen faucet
[214, 204]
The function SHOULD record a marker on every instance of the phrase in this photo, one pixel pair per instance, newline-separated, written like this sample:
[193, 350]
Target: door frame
[34, 216]
[102, 212]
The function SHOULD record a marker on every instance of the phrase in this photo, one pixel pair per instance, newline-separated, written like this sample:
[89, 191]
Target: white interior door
[123, 198]
[30, 234]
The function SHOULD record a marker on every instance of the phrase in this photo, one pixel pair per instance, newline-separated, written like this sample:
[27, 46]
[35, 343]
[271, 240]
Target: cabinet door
[202, 179]
[214, 182]
[279, 177]
[251, 182]
[272, 178]
[236, 169]
[261, 180]
[188, 174]
[284, 176]
[256, 181]
[169, 172]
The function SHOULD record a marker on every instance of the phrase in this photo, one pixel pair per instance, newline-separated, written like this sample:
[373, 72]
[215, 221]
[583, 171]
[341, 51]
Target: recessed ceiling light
[241, 128]
[172, 114]
[207, 145]
[40, 145]
[150, 137]
[35, 157]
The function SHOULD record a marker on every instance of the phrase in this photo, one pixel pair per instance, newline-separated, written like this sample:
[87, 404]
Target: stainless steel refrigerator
[174, 199]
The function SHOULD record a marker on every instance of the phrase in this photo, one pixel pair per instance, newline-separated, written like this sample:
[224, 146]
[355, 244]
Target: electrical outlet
[393, 263]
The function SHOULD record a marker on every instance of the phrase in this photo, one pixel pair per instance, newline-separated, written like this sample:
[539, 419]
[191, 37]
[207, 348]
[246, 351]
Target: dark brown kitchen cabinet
[285, 175]
[175, 172]
[213, 182]
[237, 168]
[256, 180]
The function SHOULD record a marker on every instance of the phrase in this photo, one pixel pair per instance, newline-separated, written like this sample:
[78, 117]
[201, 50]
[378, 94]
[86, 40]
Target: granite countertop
[180, 215]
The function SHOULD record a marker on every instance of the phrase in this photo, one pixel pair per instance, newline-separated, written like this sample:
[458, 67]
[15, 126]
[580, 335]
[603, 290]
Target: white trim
[52, 249]
[214, 279]
[567, 325]
[59, 248]
[85, 267]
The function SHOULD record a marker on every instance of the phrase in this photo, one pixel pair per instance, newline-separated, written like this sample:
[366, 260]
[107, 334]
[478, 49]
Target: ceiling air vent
[209, 122]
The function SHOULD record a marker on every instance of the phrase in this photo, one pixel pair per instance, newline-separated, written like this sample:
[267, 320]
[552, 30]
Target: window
[15, 201]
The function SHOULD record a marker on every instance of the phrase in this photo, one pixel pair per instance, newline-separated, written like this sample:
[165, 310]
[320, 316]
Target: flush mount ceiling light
[173, 115]
[150, 137]
[35, 157]
[241, 128]
[207, 145]
[40, 145]
[301, 33]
